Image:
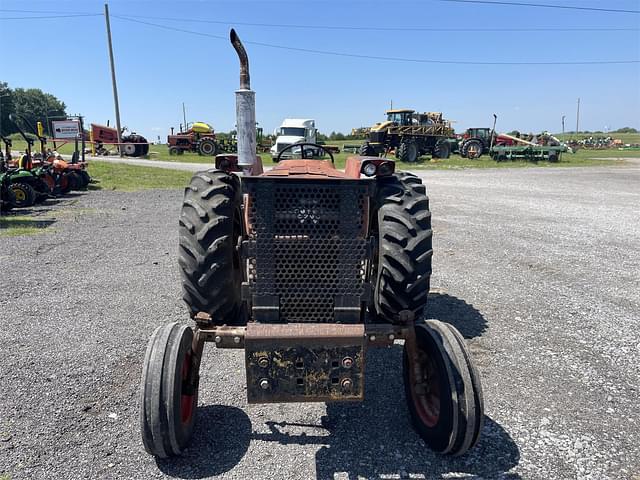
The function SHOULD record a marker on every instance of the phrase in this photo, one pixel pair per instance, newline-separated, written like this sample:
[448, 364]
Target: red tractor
[306, 268]
[200, 139]
[133, 145]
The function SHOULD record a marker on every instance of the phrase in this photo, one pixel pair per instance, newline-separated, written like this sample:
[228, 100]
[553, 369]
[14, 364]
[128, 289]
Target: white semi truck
[291, 131]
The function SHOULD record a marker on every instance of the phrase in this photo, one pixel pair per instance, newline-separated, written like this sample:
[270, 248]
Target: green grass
[12, 226]
[117, 176]
[21, 145]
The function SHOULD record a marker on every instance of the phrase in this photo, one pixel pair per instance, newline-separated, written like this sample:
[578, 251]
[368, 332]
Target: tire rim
[20, 195]
[472, 151]
[186, 399]
[207, 148]
[129, 148]
[427, 398]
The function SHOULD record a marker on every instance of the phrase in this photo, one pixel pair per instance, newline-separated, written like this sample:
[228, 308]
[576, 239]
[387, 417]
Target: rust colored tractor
[306, 267]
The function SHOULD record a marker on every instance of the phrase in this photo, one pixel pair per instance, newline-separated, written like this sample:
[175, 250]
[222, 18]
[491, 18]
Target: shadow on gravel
[457, 312]
[220, 440]
[374, 438]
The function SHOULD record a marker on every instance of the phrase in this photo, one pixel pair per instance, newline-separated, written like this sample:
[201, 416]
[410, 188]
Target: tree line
[30, 103]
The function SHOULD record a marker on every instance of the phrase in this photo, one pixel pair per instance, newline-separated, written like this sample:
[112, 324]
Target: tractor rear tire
[408, 152]
[472, 149]
[442, 150]
[86, 178]
[207, 147]
[24, 195]
[402, 268]
[129, 148]
[169, 397]
[366, 150]
[210, 229]
[443, 389]
[75, 181]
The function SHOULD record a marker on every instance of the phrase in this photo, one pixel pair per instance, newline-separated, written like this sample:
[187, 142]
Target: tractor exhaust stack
[245, 109]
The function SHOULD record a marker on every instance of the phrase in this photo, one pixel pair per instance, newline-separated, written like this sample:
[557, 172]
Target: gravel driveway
[539, 268]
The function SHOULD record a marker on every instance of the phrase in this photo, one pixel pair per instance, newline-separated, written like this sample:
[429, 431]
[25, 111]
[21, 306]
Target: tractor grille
[307, 249]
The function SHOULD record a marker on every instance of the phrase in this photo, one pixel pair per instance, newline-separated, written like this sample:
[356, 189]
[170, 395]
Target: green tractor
[27, 187]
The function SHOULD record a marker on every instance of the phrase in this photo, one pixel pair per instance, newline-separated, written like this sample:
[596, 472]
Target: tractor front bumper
[299, 362]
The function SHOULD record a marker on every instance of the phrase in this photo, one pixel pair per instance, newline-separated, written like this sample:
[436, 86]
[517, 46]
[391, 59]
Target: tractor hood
[381, 126]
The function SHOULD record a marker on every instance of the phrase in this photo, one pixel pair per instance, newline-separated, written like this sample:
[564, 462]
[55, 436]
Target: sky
[159, 68]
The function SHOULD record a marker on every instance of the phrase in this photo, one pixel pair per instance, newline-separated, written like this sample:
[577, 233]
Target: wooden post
[113, 79]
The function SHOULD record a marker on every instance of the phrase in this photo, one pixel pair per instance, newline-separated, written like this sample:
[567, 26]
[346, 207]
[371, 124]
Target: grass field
[581, 158]
[116, 176]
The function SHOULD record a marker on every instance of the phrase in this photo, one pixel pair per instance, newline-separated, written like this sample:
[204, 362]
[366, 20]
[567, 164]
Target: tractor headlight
[369, 169]
[385, 169]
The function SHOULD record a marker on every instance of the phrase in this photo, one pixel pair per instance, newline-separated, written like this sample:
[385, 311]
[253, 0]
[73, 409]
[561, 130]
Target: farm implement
[306, 268]
[411, 135]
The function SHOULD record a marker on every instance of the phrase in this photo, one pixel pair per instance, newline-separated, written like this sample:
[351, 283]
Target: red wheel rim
[425, 390]
[186, 400]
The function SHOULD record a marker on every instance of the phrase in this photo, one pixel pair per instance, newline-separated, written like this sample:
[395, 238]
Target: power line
[11, 10]
[53, 16]
[388, 29]
[373, 57]
[543, 5]
[343, 27]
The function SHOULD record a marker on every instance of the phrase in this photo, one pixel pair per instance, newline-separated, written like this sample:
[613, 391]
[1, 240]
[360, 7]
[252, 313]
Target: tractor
[477, 141]
[411, 135]
[199, 138]
[306, 268]
[133, 144]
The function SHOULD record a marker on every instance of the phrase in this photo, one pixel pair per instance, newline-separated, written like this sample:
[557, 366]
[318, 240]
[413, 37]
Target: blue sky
[158, 69]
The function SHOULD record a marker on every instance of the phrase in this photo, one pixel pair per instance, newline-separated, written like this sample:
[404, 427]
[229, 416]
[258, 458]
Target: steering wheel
[302, 145]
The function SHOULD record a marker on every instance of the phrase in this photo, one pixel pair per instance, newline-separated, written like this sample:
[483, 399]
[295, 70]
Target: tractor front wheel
[169, 390]
[443, 389]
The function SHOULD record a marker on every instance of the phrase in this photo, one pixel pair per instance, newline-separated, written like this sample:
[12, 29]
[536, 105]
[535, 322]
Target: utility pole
[563, 139]
[184, 116]
[113, 77]
[578, 117]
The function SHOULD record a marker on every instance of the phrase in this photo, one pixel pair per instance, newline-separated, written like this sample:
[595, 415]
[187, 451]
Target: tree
[35, 105]
[625, 130]
[6, 108]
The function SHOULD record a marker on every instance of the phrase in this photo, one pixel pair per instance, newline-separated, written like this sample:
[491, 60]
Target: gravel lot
[539, 268]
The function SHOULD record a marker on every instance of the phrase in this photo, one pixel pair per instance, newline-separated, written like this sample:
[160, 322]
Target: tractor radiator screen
[307, 249]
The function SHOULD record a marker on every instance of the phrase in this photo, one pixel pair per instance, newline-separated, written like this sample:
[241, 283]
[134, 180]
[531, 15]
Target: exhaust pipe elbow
[245, 81]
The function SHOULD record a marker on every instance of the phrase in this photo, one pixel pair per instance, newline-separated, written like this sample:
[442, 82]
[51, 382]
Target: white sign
[66, 129]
